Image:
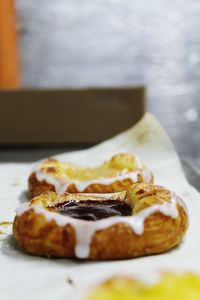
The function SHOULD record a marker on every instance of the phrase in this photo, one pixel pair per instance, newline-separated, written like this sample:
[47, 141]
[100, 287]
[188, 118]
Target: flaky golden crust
[120, 162]
[36, 187]
[38, 236]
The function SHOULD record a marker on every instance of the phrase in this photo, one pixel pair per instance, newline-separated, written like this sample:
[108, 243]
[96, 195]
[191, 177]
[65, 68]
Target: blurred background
[75, 43]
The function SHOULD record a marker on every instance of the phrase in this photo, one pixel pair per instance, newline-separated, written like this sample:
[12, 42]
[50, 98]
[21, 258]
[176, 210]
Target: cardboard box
[71, 116]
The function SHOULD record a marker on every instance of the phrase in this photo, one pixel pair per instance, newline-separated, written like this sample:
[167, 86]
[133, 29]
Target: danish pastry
[114, 175]
[171, 286]
[143, 220]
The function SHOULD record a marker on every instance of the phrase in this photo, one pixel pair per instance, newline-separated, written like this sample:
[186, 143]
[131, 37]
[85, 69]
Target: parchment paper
[27, 277]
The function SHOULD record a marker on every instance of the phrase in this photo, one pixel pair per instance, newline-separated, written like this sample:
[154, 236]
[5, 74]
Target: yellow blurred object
[171, 286]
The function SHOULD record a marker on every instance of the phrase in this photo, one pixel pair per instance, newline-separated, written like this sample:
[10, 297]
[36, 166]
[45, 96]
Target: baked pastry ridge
[156, 222]
[114, 175]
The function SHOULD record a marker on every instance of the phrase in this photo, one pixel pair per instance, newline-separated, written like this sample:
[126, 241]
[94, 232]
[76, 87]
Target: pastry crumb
[70, 281]
[16, 182]
[6, 223]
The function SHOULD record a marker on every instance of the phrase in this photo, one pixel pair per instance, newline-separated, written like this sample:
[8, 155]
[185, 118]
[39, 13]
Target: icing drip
[86, 229]
[61, 185]
[146, 174]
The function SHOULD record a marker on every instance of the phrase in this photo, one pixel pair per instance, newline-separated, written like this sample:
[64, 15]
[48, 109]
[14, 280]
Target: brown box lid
[69, 115]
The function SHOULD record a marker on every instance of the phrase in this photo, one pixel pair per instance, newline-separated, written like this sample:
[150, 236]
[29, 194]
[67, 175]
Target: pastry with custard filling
[114, 175]
[146, 219]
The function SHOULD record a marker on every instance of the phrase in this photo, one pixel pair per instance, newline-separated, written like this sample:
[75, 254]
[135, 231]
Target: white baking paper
[27, 277]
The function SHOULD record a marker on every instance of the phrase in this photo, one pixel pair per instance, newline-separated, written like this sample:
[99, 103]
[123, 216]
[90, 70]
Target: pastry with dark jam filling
[146, 219]
[93, 210]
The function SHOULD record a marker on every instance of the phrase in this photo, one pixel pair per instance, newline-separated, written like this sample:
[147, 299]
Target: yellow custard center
[119, 165]
[170, 287]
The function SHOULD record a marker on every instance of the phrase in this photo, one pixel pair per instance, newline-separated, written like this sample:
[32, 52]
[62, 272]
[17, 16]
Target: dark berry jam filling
[92, 210]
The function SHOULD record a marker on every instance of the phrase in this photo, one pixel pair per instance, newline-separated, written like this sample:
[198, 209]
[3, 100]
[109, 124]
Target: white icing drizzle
[146, 174]
[61, 185]
[86, 229]
[81, 185]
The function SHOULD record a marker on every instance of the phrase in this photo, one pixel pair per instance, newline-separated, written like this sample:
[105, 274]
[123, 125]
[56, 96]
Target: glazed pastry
[114, 175]
[145, 219]
[171, 286]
